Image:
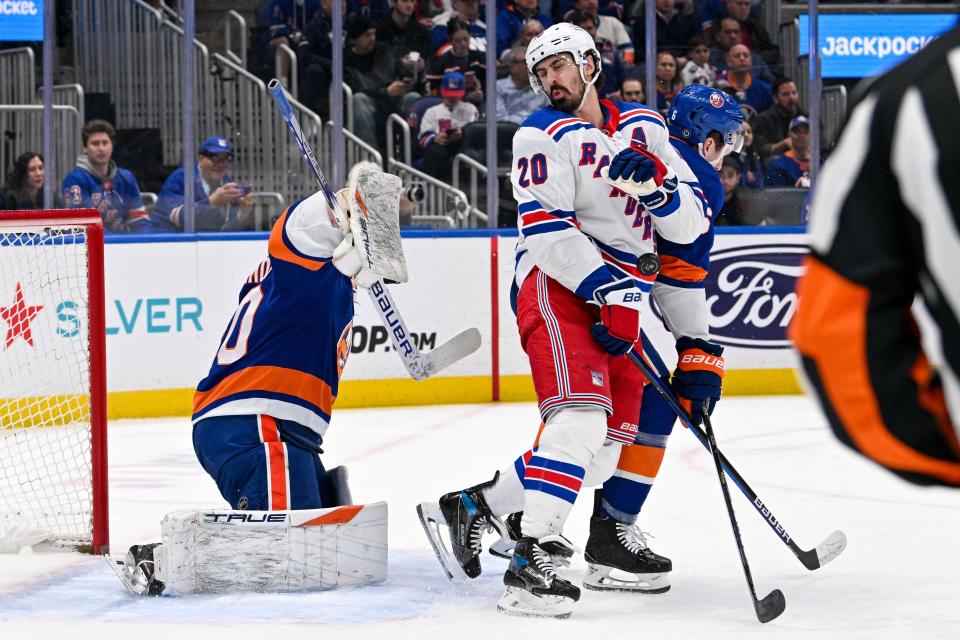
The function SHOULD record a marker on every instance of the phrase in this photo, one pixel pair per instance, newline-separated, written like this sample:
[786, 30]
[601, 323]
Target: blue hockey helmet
[698, 109]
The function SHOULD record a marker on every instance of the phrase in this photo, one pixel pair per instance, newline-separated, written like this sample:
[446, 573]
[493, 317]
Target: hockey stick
[812, 559]
[419, 364]
[773, 603]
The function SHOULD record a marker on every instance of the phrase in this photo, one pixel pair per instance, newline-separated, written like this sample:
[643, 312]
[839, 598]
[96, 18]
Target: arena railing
[127, 49]
[355, 150]
[19, 76]
[285, 69]
[476, 185]
[22, 129]
[438, 202]
[235, 23]
[68, 94]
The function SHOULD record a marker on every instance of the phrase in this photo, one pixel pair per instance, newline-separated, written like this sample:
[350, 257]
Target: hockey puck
[648, 264]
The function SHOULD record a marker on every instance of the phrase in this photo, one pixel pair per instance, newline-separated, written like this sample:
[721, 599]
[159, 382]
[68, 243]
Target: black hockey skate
[466, 517]
[533, 587]
[618, 558]
[137, 571]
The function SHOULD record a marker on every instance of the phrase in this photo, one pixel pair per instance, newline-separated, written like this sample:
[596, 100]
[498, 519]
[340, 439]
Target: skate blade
[502, 548]
[601, 578]
[119, 568]
[519, 602]
[438, 533]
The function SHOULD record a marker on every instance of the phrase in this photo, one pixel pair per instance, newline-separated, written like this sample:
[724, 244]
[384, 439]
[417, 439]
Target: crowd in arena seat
[418, 44]
[425, 61]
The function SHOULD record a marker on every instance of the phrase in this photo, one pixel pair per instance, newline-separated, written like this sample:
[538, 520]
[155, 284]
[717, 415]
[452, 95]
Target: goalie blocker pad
[225, 551]
[374, 200]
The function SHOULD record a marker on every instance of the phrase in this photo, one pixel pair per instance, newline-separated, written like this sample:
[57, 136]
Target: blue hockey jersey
[284, 350]
[116, 196]
[686, 265]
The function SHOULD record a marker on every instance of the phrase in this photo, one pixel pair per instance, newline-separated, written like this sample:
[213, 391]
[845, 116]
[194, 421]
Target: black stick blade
[771, 606]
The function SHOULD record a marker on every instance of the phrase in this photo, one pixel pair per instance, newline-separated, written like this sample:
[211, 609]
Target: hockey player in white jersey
[594, 180]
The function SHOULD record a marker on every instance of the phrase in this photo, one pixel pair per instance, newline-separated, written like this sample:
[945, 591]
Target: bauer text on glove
[699, 375]
[619, 326]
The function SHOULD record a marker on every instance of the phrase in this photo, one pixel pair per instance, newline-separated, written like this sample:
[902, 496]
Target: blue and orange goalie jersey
[284, 350]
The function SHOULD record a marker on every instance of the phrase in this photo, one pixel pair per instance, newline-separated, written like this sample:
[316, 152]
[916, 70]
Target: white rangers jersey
[574, 225]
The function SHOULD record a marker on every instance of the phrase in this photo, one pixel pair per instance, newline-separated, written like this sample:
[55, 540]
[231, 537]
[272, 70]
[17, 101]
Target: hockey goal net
[53, 466]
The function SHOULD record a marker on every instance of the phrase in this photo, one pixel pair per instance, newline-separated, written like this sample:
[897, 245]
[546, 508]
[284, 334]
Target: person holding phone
[441, 132]
[220, 202]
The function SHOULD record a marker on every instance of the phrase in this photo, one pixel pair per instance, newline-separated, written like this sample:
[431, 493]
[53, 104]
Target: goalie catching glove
[698, 377]
[641, 174]
[370, 222]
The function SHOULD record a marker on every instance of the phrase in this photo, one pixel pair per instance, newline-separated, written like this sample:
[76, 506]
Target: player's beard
[567, 102]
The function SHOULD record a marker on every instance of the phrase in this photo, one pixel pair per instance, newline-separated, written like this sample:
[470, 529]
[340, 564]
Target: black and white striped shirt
[885, 228]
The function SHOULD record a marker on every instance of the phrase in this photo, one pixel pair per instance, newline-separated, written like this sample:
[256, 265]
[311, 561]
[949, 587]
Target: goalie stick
[419, 364]
[812, 559]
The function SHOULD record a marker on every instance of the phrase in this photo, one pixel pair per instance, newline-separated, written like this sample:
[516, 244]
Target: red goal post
[53, 419]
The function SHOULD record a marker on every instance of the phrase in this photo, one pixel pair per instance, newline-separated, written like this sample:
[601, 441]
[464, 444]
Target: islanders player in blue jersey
[705, 126]
[260, 414]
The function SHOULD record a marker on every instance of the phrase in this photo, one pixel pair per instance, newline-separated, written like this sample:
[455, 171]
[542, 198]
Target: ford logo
[751, 295]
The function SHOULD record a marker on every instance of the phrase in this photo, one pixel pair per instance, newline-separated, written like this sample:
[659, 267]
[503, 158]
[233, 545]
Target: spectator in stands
[712, 10]
[530, 30]
[315, 59]
[771, 128]
[674, 29]
[376, 10]
[380, 82]
[726, 34]
[611, 34]
[698, 69]
[280, 22]
[441, 132]
[792, 169]
[751, 166]
[511, 18]
[24, 187]
[468, 11]
[753, 33]
[614, 72]
[401, 30]
[460, 57]
[98, 183]
[219, 202]
[516, 99]
[733, 210]
[631, 90]
[754, 94]
[667, 81]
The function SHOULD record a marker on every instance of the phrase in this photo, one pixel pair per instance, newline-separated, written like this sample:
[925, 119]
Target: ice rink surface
[898, 578]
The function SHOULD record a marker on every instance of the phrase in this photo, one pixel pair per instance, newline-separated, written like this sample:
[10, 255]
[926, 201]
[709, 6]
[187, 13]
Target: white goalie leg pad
[374, 202]
[224, 551]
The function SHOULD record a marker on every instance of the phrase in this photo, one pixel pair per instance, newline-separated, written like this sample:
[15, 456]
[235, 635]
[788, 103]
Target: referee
[885, 227]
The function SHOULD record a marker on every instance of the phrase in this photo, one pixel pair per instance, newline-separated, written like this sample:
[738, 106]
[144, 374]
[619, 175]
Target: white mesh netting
[45, 428]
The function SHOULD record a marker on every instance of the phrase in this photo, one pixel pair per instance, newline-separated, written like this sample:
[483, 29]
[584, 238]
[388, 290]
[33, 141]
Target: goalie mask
[563, 38]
